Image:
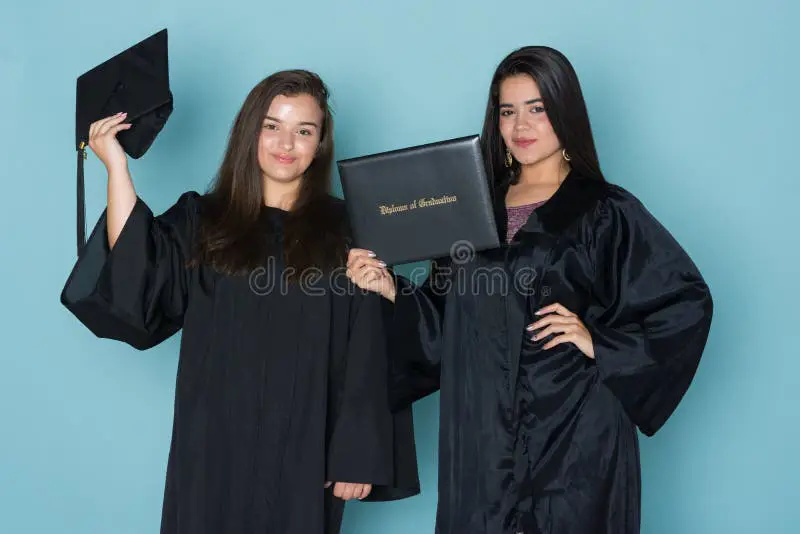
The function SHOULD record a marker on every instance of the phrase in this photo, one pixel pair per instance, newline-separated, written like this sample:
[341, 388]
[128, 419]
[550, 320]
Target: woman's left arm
[371, 454]
[648, 336]
[649, 339]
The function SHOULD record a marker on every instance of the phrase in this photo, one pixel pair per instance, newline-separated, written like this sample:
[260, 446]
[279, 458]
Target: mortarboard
[135, 81]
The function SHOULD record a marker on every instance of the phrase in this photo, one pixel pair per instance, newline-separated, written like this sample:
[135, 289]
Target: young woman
[281, 386]
[594, 326]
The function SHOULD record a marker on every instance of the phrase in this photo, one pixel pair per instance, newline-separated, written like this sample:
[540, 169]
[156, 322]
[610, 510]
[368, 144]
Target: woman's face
[290, 137]
[524, 125]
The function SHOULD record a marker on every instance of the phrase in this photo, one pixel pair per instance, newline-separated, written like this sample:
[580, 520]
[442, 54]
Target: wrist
[118, 172]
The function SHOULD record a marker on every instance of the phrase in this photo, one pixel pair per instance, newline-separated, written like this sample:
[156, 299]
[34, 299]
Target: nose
[520, 122]
[286, 140]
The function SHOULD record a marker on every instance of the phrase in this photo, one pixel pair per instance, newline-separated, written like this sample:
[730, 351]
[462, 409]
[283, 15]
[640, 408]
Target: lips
[524, 143]
[284, 159]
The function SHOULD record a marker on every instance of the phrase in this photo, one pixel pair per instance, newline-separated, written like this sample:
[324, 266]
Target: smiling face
[523, 122]
[290, 136]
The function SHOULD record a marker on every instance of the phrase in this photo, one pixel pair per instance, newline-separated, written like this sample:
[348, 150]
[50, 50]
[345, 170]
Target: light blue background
[694, 109]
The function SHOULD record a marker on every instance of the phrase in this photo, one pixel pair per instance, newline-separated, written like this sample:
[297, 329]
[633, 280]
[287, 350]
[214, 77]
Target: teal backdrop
[693, 108]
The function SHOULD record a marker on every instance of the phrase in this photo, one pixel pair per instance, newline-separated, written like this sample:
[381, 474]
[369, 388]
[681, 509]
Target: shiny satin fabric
[545, 441]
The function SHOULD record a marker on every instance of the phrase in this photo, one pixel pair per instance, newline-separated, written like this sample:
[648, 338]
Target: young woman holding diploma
[597, 330]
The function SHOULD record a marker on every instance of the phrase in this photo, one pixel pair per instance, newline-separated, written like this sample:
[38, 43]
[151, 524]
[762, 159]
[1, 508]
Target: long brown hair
[232, 226]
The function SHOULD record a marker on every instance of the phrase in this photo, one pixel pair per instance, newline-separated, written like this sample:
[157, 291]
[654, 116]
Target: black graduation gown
[544, 441]
[279, 387]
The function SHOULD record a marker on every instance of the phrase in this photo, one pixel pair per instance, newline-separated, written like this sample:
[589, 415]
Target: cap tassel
[80, 198]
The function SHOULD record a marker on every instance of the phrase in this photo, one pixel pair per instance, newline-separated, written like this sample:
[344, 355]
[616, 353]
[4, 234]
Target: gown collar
[574, 197]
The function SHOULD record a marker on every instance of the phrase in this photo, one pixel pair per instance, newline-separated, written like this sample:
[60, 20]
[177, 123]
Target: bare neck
[547, 173]
[281, 195]
[538, 182]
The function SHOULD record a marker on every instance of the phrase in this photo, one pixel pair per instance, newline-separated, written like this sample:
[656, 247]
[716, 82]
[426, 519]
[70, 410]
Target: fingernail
[371, 254]
[529, 327]
[382, 264]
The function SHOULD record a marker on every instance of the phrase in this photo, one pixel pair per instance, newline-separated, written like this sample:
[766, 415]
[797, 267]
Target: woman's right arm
[121, 193]
[130, 280]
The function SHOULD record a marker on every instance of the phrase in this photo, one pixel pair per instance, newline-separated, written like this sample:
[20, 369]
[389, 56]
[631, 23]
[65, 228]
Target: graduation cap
[135, 81]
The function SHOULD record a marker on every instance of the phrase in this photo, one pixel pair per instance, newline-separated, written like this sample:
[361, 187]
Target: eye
[270, 126]
[305, 131]
[537, 109]
[506, 112]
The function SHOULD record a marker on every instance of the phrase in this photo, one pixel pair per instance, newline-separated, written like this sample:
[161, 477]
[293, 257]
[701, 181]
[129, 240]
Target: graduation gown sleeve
[415, 324]
[137, 291]
[360, 448]
[369, 444]
[650, 336]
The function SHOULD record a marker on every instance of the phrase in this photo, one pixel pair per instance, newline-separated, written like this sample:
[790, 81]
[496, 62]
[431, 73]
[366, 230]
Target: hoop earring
[509, 159]
[565, 155]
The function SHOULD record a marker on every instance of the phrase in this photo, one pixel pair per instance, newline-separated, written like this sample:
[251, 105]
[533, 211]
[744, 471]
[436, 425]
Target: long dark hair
[231, 236]
[563, 102]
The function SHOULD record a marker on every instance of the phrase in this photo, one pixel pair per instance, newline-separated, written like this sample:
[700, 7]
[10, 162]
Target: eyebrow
[314, 124]
[528, 103]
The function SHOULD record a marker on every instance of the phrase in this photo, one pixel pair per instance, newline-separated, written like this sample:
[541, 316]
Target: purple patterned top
[518, 216]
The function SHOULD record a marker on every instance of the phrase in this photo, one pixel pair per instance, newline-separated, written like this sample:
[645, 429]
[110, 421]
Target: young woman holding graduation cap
[597, 330]
[281, 387]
